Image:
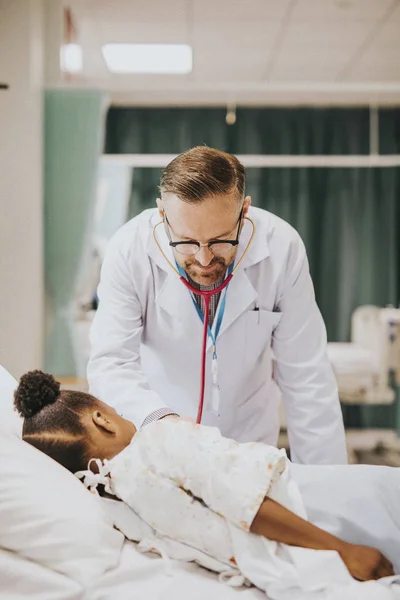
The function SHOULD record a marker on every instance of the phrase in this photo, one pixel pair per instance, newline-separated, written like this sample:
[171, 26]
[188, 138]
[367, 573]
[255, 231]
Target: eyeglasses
[217, 247]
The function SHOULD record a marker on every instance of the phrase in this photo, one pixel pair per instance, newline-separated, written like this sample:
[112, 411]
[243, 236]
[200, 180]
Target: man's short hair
[202, 173]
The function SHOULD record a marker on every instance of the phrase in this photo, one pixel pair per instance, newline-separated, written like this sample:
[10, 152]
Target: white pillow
[48, 516]
[21, 578]
[10, 421]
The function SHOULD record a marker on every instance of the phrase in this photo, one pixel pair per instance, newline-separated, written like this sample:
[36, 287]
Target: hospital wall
[21, 194]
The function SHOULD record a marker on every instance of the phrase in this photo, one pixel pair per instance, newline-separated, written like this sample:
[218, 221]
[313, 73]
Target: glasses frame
[209, 244]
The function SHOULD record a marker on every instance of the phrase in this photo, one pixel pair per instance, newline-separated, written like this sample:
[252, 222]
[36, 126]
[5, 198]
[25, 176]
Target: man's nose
[204, 256]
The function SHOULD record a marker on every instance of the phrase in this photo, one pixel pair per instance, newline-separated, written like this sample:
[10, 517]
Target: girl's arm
[275, 522]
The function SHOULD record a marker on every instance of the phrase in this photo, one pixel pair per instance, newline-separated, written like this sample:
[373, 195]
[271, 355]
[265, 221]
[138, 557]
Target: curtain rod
[264, 160]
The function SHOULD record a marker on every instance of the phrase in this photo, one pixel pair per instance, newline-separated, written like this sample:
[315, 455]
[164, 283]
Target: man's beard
[204, 277]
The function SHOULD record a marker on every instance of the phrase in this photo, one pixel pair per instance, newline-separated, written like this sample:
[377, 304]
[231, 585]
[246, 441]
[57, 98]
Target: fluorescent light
[148, 58]
[71, 58]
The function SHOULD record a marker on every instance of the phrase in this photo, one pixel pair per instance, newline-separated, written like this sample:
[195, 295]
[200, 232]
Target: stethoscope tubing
[206, 294]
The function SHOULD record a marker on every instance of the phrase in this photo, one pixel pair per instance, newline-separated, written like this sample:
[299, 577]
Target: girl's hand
[365, 563]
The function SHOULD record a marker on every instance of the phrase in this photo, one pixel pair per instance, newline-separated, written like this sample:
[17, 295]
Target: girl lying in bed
[186, 481]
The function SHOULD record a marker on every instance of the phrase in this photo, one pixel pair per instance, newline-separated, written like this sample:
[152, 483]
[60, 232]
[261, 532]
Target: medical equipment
[206, 295]
[368, 368]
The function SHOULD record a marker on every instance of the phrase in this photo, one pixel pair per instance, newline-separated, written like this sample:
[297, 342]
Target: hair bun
[36, 390]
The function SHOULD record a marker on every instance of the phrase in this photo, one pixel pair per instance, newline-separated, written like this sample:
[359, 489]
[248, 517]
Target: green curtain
[349, 221]
[389, 131]
[257, 131]
[74, 128]
[348, 218]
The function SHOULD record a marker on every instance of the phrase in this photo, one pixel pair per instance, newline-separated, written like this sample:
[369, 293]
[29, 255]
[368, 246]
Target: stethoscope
[206, 295]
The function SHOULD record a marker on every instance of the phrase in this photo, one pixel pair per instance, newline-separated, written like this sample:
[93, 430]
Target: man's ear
[246, 205]
[160, 208]
[103, 422]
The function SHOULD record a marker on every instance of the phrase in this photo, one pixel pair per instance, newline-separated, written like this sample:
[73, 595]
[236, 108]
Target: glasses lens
[217, 249]
[186, 248]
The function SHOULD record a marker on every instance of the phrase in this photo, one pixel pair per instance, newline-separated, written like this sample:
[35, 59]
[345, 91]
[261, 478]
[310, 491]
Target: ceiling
[250, 51]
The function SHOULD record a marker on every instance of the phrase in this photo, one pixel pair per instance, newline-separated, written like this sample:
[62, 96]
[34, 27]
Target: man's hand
[365, 563]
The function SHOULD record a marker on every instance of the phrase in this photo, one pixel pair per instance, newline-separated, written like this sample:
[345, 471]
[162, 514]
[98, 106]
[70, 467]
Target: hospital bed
[331, 493]
[38, 521]
[368, 368]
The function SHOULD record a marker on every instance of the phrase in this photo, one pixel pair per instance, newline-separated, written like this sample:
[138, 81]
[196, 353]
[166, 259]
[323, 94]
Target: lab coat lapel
[241, 293]
[176, 300]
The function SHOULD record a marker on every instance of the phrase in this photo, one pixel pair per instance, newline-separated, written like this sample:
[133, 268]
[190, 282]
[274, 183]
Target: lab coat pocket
[260, 326]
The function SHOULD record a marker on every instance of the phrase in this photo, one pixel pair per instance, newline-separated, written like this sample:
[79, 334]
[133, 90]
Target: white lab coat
[146, 341]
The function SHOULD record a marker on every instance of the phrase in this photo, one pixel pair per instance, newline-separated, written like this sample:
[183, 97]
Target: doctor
[147, 334]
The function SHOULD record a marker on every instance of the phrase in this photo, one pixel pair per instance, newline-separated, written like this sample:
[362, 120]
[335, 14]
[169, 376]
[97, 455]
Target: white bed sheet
[137, 577]
[145, 576]
[21, 578]
[358, 503]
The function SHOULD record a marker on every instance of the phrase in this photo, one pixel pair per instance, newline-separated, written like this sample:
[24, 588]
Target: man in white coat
[147, 334]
